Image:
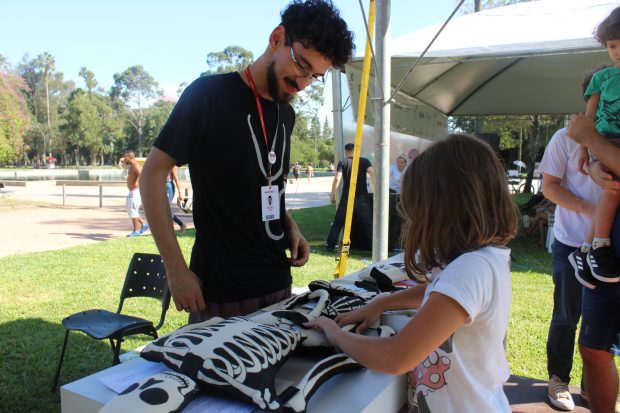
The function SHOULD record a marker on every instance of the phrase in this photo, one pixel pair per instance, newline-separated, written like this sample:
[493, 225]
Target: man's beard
[272, 86]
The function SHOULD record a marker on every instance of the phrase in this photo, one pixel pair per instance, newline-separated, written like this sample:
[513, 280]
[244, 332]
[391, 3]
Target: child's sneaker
[144, 228]
[577, 259]
[603, 265]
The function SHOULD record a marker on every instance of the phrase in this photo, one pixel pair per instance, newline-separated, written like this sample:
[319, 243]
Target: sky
[170, 38]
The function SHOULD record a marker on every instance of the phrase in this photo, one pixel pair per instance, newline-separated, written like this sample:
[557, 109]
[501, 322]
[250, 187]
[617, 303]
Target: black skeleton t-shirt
[215, 129]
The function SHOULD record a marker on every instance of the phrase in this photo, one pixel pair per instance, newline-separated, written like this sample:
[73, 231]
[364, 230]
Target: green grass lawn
[40, 289]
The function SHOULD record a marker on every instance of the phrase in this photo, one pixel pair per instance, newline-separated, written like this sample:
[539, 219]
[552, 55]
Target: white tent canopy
[521, 59]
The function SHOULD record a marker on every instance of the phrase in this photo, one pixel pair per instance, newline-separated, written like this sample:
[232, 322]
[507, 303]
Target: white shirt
[466, 373]
[561, 161]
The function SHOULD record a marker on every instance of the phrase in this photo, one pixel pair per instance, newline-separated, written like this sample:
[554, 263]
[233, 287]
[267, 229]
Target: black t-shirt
[214, 128]
[346, 167]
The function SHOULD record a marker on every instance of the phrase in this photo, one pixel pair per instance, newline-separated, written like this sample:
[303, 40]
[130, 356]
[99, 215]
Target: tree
[47, 63]
[155, 118]
[91, 125]
[13, 116]
[4, 64]
[472, 6]
[231, 59]
[134, 87]
[46, 95]
[89, 79]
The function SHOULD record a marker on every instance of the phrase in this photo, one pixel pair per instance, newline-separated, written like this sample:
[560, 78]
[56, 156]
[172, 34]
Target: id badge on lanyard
[270, 201]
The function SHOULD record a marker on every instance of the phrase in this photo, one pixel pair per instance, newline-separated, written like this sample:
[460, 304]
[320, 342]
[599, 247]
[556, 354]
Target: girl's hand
[327, 326]
[584, 160]
[363, 317]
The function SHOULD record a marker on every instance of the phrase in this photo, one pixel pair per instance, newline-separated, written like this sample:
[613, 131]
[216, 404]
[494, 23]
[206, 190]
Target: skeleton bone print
[242, 360]
[165, 392]
[241, 356]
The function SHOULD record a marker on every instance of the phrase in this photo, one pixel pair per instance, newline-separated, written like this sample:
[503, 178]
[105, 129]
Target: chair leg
[116, 348]
[62, 355]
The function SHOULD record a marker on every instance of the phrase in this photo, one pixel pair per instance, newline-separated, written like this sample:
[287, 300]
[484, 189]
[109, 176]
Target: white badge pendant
[271, 157]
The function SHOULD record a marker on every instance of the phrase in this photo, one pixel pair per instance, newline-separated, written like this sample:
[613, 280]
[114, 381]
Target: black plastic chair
[146, 277]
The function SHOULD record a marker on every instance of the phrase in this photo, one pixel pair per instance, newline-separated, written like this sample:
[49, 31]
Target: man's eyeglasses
[315, 78]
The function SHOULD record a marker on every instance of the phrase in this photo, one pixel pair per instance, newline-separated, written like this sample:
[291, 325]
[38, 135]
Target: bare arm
[185, 286]
[592, 105]
[368, 314]
[439, 318]
[582, 130]
[371, 172]
[335, 182]
[556, 193]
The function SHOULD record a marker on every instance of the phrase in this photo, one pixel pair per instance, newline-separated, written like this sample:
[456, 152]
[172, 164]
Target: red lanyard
[258, 104]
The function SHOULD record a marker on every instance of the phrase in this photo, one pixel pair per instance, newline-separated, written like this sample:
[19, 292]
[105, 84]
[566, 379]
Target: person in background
[453, 349]
[362, 209]
[239, 262]
[412, 154]
[544, 210]
[309, 171]
[396, 172]
[575, 196]
[296, 171]
[172, 181]
[133, 202]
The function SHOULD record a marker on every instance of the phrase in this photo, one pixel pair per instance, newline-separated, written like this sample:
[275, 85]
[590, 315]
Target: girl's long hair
[455, 199]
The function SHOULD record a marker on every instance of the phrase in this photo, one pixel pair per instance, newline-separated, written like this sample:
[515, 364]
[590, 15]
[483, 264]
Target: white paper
[120, 381]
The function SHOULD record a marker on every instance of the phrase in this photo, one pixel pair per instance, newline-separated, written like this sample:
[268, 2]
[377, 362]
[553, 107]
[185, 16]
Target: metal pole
[382, 133]
[100, 196]
[337, 114]
[63, 194]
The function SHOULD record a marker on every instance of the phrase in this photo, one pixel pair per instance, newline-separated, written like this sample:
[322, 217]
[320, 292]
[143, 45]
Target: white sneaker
[559, 395]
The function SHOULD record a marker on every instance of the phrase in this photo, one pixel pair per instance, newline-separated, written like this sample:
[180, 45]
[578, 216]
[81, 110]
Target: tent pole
[382, 133]
[337, 114]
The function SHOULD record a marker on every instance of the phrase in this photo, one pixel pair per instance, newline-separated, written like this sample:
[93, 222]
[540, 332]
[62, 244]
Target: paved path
[49, 226]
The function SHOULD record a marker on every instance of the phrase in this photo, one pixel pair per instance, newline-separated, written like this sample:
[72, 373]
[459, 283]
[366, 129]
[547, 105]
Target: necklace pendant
[271, 157]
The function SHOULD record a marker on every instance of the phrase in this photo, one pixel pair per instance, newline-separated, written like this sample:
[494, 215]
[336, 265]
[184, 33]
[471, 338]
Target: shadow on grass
[29, 355]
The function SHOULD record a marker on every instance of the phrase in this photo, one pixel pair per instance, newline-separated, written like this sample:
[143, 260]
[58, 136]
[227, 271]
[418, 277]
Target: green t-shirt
[606, 83]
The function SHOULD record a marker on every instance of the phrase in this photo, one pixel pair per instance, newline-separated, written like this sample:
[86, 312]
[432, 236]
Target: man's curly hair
[609, 29]
[317, 24]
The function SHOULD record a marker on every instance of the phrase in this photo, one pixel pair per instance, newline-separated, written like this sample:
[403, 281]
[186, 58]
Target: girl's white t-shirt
[466, 373]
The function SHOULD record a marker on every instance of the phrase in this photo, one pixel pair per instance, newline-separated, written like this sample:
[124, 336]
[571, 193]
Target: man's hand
[300, 249]
[581, 128]
[602, 176]
[186, 290]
